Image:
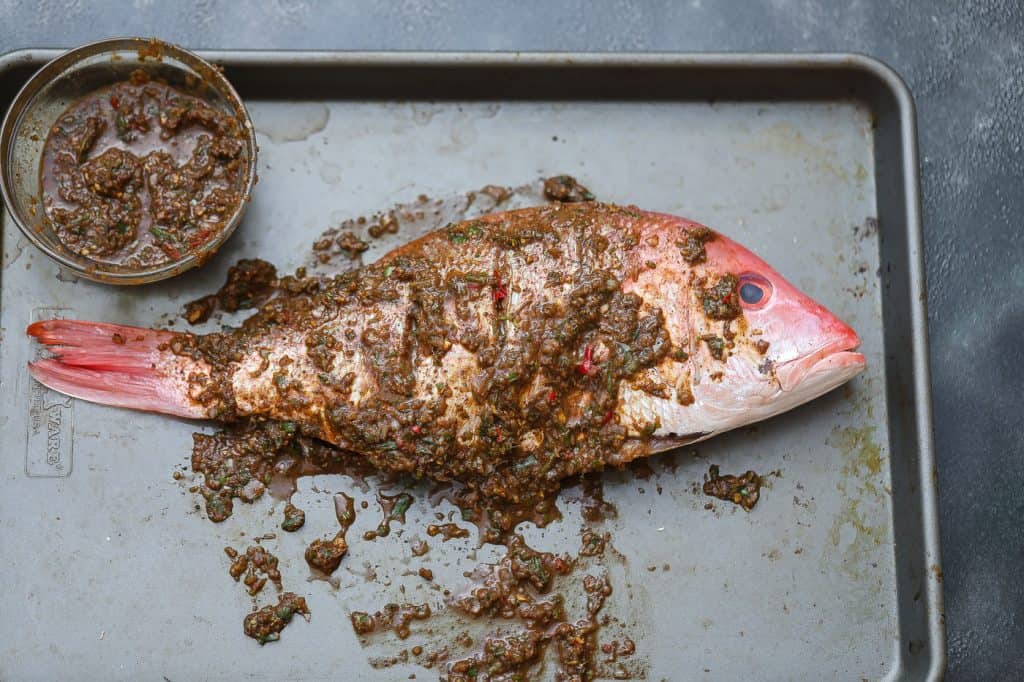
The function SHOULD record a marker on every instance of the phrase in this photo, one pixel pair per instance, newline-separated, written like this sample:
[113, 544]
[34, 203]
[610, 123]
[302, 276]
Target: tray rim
[872, 67]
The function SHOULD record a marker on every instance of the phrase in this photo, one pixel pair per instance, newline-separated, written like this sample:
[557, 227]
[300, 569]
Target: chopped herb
[401, 505]
[650, 428]
[716, 346]
[721, 300]
[162, 234]
[122, 126]
[459, 237]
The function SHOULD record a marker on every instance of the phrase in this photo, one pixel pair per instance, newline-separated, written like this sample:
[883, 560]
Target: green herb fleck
[401, 505]
[122, 126]
[162, 234]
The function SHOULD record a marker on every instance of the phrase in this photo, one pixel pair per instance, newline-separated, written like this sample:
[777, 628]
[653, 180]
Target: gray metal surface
[963, 62]
[838, 557]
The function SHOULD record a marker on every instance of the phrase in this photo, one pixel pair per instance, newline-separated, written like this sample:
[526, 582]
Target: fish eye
[751, 293]
[755, 290]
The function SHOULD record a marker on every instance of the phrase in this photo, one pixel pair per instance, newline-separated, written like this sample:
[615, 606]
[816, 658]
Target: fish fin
[100, 345]
[672, 441]
[113, 365]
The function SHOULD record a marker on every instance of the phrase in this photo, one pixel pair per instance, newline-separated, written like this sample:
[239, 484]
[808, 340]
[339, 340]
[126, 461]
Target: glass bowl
[67, 78]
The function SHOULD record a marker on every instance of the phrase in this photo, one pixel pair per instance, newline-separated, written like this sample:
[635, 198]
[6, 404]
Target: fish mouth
[824, 369]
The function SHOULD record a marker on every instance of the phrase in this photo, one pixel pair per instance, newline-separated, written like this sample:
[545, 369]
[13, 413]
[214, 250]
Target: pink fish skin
[746, 344]
[788, 350]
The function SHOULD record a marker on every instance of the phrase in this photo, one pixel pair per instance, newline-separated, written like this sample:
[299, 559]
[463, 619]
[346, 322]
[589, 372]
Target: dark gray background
[964, 62]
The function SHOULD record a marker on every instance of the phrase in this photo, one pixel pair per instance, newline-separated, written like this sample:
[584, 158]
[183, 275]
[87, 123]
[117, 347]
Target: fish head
[757, 347]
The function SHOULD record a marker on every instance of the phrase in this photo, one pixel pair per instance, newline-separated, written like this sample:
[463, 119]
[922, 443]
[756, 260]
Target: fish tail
[116, 365]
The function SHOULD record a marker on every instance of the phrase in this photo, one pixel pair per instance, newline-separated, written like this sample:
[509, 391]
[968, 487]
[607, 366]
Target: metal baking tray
[110, 570]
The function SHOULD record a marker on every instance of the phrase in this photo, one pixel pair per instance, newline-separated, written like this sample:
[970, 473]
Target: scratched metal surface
[116, 572]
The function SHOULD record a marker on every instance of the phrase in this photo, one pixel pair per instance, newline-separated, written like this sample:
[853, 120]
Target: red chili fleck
[551, 396]
[170, 250]
[114, 101]
[608, 416]
[561, 565]
[500, 293]
[198, 240]
[416, 429]
[497, 434]
[588, 366]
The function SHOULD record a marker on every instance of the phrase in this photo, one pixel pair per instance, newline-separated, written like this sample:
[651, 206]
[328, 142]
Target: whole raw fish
[506, 351]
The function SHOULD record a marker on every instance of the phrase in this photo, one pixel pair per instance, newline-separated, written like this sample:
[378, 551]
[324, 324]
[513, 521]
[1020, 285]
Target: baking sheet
[111, 569]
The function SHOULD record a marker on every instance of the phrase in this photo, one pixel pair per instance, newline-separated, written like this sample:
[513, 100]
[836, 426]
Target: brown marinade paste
[546, 385]
[247, 460]
[250, 282]
[252, 564]
[140, 174]
[266, 624]
[396, 617]
[743, 490]
[546, 397]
